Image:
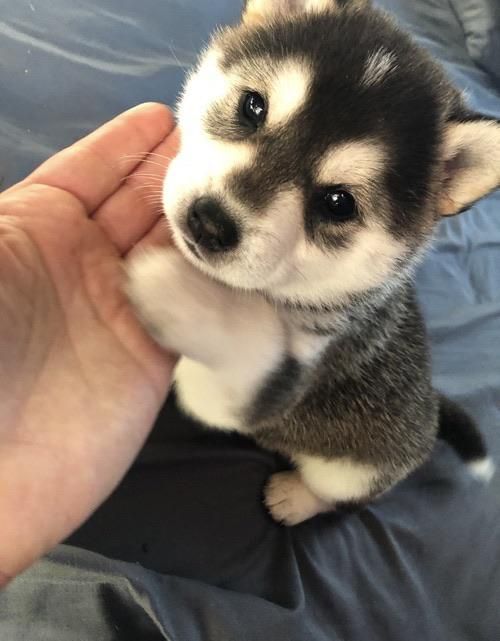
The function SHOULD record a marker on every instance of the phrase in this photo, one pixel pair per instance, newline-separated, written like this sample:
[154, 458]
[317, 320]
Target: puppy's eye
[253, 109]
[336, 204]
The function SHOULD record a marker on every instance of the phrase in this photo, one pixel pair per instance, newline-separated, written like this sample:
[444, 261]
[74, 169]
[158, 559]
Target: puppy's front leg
[231, 340]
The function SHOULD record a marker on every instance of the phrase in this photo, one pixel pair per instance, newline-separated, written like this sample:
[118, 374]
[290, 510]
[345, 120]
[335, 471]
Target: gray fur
[370, 396]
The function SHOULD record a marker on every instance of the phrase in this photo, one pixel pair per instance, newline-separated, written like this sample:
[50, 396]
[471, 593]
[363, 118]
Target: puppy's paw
[163, 289]
[289, 501]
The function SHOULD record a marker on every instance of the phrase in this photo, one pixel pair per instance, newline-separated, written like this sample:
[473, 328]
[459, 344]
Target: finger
[158, 236]
[137, 205]
[92, 169]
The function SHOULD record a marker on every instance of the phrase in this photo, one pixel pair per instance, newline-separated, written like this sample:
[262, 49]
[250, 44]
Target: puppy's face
[317, 152]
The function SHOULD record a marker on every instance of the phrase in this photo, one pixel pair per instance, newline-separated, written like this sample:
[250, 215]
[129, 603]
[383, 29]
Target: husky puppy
[320, 147]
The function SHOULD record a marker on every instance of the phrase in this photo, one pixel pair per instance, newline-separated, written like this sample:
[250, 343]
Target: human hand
[80, 381]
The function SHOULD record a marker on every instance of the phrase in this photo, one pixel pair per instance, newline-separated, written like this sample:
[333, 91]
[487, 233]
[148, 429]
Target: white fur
[314, 276]
[479, 142]
[260, 10]
[337, 480]
[482, 469]
[230, 340]
[251, 345]
[353, 163]
[203, 163]
[204, 396]
[307, 347]
[318, 6]
[195, 315]
[205, 86]
[268, 242]
[288, 91]
[378, 66]
[201, 170]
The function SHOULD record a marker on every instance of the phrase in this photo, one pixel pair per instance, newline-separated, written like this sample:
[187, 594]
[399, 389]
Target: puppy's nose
[211, 227]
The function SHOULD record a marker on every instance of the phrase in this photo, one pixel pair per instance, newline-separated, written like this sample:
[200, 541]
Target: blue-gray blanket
[183, 550]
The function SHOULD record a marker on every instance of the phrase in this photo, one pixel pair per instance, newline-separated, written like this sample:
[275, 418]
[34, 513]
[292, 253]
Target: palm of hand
[82, 382]
[62, 289]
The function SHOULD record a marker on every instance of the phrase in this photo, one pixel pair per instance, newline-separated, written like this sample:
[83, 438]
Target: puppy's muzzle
[211, 227]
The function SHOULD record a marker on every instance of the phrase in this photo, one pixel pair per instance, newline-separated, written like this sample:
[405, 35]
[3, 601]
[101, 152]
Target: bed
[184, 550]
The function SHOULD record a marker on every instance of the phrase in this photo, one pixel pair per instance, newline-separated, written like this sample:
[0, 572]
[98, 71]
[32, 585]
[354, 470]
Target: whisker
[164, 222]
[145, 194]
[148, 191]
[139, 155]
[151, 189]
[155, 197]
[143, 174]
[274, 236]
[156, 205]
[152, 162]
[144, 156]
[153, 153]
[156, 164]
[153, 186]
[174, 55]
[158, 179]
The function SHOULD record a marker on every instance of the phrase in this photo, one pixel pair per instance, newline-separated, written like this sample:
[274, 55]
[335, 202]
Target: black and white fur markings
[320, 146]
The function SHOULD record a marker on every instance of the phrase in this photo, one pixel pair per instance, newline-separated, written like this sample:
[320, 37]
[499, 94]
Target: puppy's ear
[472, 163]
[258, 11]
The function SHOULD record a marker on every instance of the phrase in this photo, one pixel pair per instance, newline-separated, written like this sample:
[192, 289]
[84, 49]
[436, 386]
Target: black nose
[211, 227]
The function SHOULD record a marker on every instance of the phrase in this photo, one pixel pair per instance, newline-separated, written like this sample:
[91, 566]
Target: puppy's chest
[239, 396]
[210, 398]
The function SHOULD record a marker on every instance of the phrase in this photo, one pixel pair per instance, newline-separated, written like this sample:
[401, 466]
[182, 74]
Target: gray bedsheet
[199, 558]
